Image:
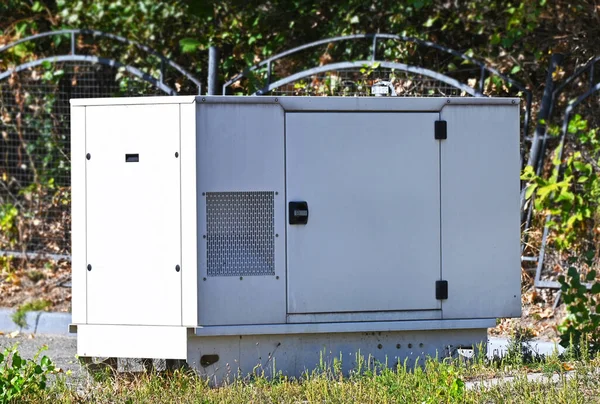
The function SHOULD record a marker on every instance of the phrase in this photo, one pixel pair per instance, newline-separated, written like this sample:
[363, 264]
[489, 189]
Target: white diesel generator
[243, 232]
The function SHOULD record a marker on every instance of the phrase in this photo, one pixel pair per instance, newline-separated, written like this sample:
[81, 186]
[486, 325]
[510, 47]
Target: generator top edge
[301, 103]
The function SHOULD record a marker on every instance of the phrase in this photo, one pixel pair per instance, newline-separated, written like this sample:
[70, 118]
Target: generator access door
[133, 215]
[363, 224]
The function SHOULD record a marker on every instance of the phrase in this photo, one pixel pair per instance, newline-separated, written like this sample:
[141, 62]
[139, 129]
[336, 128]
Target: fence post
[213, 68]
[535, 155]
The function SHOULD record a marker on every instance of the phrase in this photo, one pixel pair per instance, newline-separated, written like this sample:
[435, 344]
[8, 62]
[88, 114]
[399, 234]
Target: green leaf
[527, 173]
[530, 190]
[595, 288]
[45, 361]
[591, 276]
[37, 7]
[189, 45]
[430, 21]
[354, 20]
[565, 196]
[16, 361]
[572, 272]
[20, 50]
[515, 70]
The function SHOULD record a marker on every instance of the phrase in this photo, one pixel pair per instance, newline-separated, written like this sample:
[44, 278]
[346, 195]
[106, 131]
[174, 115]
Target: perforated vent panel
[240, 233]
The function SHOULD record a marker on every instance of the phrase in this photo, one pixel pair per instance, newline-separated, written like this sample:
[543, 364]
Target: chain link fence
[35, 122]
[359, 82]
[35, 149]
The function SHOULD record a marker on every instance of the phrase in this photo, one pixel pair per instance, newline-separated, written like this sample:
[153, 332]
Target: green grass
[19, 317]
[448, 381]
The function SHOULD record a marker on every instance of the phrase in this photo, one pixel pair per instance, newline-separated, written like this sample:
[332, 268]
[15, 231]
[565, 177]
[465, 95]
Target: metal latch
[441, 130]
[298, 212]
[441, 290]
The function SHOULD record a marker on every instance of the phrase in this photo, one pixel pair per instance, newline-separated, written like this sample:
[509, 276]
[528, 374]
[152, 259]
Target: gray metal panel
[388, 104]
[480, 212]
[312, 103]
[334, 328]
[365, 316]
[240, 148]
[240, 234]
[295, 355]
[372, 242]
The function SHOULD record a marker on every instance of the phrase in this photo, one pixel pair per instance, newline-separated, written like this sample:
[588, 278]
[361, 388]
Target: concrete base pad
[221, 359]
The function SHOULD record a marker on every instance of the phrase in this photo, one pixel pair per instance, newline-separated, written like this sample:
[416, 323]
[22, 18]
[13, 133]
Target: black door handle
[298, 212]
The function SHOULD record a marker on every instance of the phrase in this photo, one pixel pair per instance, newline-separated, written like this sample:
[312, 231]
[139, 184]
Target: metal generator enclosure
[233, 232]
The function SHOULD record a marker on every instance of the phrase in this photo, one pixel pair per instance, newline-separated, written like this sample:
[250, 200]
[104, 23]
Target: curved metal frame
[93, 59]
[538, 165]
[589, 66]
[360, 63]
[565, 126]
[73, 56]
[375, 38]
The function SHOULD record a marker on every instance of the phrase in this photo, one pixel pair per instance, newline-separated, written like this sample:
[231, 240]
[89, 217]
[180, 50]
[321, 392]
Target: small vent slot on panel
[240, 233]
[132, 158]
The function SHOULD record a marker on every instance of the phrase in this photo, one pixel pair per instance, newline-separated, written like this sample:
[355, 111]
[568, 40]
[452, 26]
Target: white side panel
[133, 215]
[122, 341]
[480, 212]
[372, 242]
[189, 233]
[78, 260]
[240, 148]
[166, 99]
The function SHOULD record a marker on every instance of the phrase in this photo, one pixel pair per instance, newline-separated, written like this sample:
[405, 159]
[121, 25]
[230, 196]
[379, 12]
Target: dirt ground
[23, 281]
[538, 315]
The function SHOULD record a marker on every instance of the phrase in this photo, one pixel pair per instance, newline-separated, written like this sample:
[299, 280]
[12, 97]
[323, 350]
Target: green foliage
[22, 378]
[19, 317]
[571, 195]
[9, 216]
[519, 350]
[581, 326]
[431, 381]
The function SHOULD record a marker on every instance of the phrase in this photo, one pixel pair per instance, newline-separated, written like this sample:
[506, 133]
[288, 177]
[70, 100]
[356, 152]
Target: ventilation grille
[240, 233]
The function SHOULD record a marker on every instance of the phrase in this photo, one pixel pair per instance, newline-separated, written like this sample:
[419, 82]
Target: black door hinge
[441, 130]
[441, 290]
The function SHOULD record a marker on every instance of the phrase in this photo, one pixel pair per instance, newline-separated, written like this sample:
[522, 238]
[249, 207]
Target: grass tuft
[19, 317]
[449, 380]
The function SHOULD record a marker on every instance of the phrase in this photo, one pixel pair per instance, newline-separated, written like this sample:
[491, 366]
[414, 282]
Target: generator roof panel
[182, 99]
[313, 103]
